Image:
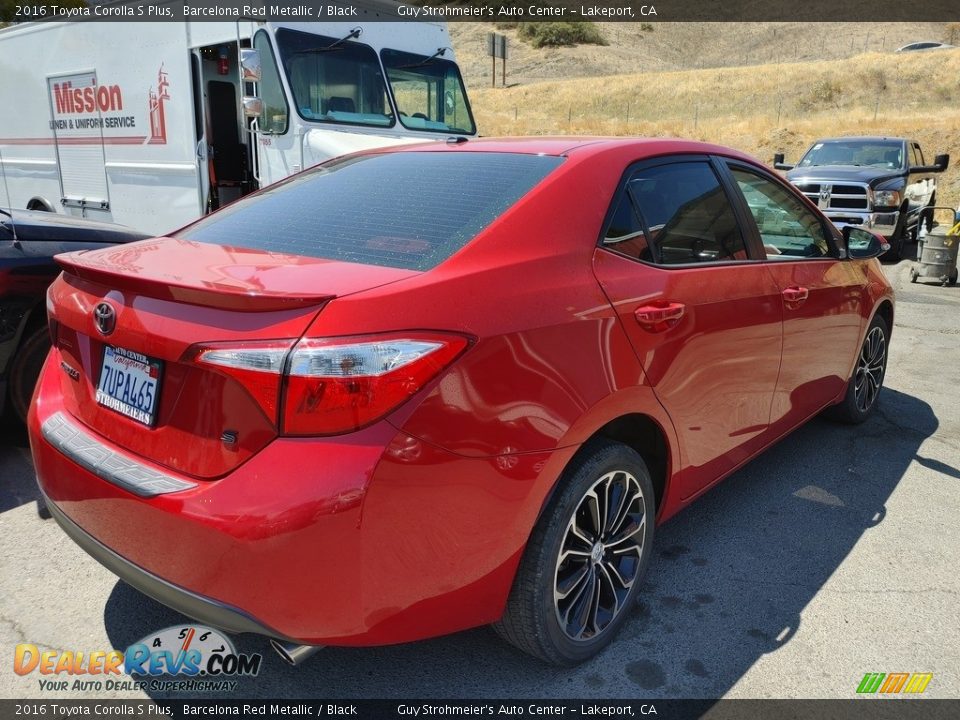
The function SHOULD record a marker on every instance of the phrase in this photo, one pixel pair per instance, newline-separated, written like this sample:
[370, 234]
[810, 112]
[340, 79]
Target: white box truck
[154, 124]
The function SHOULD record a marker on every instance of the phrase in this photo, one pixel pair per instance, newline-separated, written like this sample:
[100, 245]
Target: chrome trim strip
[91, 454]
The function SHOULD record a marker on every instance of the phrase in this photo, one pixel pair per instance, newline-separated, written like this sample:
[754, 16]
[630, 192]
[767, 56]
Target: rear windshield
[409, 210]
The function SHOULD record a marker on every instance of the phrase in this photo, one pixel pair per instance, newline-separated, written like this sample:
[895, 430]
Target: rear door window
[686, 214]
[409, 210]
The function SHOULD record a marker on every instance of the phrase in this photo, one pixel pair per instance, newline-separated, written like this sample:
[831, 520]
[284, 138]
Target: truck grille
[836, 196]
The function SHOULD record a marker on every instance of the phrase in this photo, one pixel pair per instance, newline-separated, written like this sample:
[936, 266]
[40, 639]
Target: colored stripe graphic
[918, 682]
[871, 682]
[894, 682]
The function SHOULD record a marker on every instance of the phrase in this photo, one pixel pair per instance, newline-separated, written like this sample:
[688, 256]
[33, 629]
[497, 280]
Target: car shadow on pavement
[18, 484]
[728, 582]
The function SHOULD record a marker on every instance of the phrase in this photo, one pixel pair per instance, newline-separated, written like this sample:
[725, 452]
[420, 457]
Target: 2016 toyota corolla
[419, 390]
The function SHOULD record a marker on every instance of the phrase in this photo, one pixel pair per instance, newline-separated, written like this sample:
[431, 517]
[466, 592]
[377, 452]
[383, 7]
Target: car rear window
[409, 210]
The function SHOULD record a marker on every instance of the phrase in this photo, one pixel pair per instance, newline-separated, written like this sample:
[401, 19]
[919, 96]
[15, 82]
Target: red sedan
[414, 391]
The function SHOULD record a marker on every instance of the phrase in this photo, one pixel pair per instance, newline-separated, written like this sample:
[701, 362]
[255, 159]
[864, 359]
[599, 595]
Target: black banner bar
[646, 11]
[872, 708]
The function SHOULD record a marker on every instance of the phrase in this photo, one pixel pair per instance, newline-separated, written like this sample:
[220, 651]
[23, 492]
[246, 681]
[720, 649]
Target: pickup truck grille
[836, 196]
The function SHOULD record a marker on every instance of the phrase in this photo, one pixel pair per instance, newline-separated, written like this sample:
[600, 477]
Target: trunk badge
[71, 371]
[105, 318]
[230, 438]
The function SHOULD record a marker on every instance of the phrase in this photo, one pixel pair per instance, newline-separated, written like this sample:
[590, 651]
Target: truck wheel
[952, 280]
[929, 215]
[897, 240]
[26, 369]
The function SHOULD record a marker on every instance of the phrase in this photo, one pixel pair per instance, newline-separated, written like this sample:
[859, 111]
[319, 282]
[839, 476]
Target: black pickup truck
[879, 183]
[28, 242]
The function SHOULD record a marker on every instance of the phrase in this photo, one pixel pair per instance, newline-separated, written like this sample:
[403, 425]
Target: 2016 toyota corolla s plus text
[418, 390]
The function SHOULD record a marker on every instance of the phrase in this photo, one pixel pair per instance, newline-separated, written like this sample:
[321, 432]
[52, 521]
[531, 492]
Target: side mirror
[862, 244]
[779, 164]
[252, 106]
[941, 162]
[249, 65]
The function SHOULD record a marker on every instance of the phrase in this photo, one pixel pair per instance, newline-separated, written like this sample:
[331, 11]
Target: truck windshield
[334, 80]
[880, 153]
[429, 93]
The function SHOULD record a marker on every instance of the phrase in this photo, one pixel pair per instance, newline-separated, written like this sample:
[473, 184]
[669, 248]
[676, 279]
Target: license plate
[130, 384]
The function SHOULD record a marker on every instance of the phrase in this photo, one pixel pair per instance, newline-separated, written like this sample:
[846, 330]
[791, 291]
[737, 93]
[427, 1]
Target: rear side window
[625, 233]
[409, 210]
[687, 214]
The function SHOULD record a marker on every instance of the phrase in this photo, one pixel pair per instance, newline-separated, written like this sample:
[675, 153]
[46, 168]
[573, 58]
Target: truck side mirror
[779, 164]
[252, 106]
[862, 244]
[941, 162]
[249, 65]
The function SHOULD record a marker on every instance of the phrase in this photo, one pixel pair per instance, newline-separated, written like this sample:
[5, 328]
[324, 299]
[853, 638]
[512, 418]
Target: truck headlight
[886, 198]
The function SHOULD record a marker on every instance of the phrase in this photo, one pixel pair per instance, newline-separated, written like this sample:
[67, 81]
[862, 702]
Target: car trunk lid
[167, 298]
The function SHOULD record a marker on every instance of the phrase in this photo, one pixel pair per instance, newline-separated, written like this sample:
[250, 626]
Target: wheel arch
[649, 434]
[885, 310]
[40, 204]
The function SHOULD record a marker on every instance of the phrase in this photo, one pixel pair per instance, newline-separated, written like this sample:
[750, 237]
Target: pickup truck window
[916, 158]
[875, 153]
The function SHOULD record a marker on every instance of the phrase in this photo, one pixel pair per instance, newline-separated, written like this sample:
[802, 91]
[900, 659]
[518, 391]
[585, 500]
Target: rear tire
[929, 215]
[863, 389]
[586, 558]
[25, 370]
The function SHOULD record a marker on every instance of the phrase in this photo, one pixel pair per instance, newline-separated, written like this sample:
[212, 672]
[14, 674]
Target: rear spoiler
[116, 267]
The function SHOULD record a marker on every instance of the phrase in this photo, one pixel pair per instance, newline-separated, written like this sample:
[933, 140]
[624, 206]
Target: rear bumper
[207, 611]
[367, 539]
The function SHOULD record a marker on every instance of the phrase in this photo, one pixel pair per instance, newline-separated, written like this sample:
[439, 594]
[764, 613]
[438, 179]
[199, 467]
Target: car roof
[581, 146]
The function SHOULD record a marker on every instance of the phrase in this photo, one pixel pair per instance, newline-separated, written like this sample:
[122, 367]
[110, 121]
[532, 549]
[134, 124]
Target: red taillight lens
[336, 385]
[258, 366]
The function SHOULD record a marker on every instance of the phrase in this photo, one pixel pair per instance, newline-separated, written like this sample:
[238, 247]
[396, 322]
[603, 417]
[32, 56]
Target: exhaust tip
[293, 654]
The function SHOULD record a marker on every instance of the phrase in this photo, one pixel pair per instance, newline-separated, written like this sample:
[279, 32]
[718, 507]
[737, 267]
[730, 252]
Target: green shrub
[557, 34]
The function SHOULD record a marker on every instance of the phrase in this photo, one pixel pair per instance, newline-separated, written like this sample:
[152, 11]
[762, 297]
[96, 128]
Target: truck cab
[879, 183]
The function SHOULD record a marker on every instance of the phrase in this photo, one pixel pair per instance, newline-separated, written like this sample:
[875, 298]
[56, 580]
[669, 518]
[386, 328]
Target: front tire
[586, 558]
[863, 389]
[898, 239]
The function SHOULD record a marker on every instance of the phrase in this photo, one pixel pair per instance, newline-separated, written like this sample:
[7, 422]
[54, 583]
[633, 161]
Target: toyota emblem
[105, 318]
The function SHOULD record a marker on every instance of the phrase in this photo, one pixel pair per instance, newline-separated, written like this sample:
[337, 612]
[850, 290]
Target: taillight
[336, 385]
[331, 386]
[258, 366]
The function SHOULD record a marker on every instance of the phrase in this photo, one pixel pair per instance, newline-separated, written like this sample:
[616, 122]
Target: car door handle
[795, 294]
[659, 317]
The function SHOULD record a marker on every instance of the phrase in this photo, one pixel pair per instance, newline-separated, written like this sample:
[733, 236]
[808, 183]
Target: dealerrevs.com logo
[201, 658]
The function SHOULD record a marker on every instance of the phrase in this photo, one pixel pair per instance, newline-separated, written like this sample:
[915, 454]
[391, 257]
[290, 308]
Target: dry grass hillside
[760, 109]
[684, 46]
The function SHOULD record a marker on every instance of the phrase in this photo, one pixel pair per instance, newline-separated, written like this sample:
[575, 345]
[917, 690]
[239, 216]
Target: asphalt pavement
[834, 554]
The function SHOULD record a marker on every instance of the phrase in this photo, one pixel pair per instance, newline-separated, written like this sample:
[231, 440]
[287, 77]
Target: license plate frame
[129, 384]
